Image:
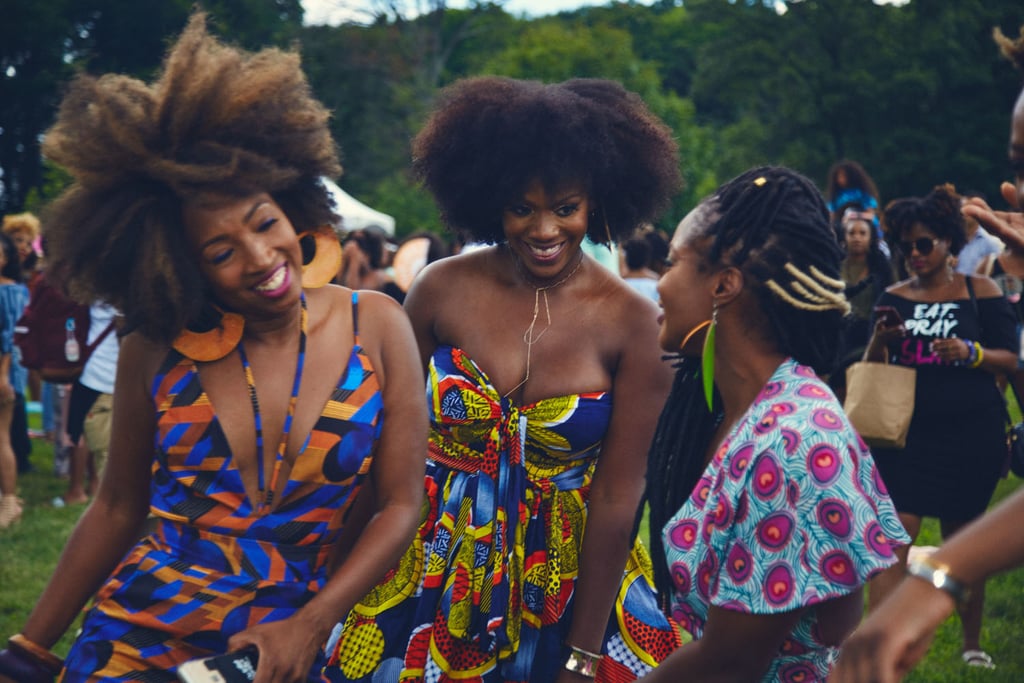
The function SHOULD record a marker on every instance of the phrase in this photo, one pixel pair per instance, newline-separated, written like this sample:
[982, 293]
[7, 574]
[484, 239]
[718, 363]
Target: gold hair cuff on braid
[818, 291]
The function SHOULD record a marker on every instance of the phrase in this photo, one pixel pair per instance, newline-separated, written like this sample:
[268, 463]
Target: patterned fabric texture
[790, 512]
[485, 591]
[212, 569]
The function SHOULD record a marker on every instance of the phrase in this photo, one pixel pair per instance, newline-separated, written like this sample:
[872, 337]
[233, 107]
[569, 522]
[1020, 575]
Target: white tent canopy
[354, 214]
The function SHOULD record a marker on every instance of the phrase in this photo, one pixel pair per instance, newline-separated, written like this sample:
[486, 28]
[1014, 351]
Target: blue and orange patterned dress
[212, 569]
[485, 591]
[789, 513]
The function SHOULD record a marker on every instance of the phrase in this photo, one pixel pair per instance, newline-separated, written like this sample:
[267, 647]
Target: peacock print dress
[212, 569]
[485, 591]
[790, 512]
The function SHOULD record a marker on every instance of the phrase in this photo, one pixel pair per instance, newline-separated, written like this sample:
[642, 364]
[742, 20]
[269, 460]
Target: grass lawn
[29, 551]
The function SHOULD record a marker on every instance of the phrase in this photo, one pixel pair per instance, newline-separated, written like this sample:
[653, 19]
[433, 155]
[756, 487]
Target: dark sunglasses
[924, 246]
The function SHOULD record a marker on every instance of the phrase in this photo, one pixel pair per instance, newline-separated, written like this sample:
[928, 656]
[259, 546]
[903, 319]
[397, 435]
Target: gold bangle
[50, 661]
[582, 662]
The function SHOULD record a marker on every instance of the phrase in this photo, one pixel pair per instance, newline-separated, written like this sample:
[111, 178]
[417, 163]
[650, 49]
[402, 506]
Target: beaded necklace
[266, 496]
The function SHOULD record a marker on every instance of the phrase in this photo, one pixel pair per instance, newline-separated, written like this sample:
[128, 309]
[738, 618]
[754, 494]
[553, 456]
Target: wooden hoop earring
[214, 343]
[321, 257]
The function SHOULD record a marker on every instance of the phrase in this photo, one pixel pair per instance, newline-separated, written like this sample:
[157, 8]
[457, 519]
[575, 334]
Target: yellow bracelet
[980, 355]
[50, 661]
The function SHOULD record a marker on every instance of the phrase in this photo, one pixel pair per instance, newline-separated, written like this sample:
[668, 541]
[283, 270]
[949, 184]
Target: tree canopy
[917, 93]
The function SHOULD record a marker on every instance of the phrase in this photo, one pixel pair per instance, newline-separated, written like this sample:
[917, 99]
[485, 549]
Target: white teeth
[545, 251]
[274, 282]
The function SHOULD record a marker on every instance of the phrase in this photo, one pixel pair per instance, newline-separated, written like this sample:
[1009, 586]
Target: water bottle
[71, 350]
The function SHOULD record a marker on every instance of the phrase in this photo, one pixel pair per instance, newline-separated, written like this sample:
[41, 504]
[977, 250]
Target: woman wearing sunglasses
[959, 333]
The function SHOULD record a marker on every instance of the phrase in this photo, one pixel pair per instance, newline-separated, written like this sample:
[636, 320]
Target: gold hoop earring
[321, 257]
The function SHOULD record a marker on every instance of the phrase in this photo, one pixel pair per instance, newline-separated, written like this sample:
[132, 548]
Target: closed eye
[221, 256]
[267, 224]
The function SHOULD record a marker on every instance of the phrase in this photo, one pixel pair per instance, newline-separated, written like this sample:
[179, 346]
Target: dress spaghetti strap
[355, 319]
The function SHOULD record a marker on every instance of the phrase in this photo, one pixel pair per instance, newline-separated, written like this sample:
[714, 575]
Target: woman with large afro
[544, 381]
[251, 403]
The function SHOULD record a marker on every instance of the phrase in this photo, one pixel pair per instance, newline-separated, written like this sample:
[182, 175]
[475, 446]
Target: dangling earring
[321, 257]
[707, 358]
[220, 334]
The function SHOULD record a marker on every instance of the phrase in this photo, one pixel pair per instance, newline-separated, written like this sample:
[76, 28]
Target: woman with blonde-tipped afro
[197, 210]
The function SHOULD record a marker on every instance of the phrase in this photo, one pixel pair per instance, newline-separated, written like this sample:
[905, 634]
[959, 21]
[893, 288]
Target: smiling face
[683, 290]
[248, 252]
[544, 229]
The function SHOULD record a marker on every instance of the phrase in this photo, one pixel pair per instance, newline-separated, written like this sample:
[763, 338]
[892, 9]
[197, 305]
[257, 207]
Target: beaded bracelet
[972, 353]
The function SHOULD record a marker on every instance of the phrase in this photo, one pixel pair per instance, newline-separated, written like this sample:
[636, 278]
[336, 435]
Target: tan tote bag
[880, 402]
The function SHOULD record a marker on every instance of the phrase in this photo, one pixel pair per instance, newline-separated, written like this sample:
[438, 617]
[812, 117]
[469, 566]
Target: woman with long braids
[252, 402]
[544, 381]
[770, 512]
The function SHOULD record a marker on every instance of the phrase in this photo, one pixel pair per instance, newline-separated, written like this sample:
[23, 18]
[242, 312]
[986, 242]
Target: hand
[1007, 225]
[886, 334]
[951, 350]
[287, 650]
[894, 637]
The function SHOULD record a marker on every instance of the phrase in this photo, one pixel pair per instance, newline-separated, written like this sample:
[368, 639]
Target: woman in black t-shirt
[959, 333]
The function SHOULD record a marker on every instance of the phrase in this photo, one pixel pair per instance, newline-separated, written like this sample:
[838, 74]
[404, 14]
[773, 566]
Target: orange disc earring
[321, 257]
[214, 343]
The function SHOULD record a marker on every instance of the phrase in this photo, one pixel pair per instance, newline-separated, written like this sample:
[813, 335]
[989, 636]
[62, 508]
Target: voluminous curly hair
[938, 211]
[767, 222]
[217, 119]
[490, 137]
[1011, 49]
[24, 223]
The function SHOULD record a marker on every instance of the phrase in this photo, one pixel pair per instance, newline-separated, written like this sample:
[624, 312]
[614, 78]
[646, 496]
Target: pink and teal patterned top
[789, 513]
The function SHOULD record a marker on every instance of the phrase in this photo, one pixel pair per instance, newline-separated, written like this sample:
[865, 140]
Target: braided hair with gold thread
[772, 224]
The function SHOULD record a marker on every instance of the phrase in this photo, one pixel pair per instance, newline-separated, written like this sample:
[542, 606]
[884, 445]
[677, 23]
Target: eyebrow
[245, 219]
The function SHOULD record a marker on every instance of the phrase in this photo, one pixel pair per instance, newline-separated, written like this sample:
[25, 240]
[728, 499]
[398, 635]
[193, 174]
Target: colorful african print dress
[790, 512]
[485, 591]
[212, 569]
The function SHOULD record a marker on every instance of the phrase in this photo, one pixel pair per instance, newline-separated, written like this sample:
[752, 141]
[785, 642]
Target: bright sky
[337, 11]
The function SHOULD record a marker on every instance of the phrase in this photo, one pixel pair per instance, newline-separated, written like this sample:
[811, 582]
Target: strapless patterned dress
[485, 593]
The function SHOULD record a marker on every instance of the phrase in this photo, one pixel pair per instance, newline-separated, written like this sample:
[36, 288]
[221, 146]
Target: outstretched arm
[897, 635]
[112, 523]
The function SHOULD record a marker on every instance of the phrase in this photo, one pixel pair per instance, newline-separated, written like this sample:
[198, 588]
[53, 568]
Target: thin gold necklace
[528, 337]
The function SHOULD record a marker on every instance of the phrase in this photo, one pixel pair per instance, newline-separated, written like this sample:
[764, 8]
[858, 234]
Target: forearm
[380, 545]
[696, 661]
[987, 546]
[998, 361]
[606, 546]
[98, 543]
[876, 351]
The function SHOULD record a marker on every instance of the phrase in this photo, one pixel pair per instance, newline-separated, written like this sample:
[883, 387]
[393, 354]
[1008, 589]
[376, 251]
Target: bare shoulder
[140, 357]
[985, 287]
[623, 304]
[899, 288]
